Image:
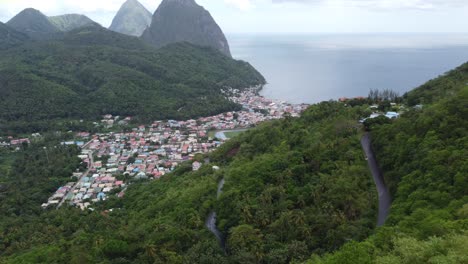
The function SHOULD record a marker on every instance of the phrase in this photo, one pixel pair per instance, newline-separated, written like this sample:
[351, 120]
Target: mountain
[297, 190]
[132, 19]
[185, 21]
[92, 71]
[10, 37]
[423, 156]
[293, 187]
[33, 23]
[70, 21]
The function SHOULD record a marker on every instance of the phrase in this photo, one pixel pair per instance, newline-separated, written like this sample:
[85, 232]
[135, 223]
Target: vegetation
[296, 190]
[309, 172]
[446, 86]
[385, 95]
[33, 23]
[30, 175]
[10, 37]
[424, 157]
[232, 134]
[70, 21]
[93, 71]
[295, 187]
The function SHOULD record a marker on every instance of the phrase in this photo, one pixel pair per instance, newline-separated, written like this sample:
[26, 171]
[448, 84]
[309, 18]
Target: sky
[286, 16]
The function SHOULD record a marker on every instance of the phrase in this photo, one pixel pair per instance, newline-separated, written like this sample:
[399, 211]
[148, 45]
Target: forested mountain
[93, 71]
[10, 37]
[131, 19]
[296, 190]
[33, 23]
[69, 22]
[185, 21]
[293, 188]
[38, 26]
[424, 156]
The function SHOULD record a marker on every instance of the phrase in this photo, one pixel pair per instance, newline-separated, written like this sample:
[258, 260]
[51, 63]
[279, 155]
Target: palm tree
[150, 251]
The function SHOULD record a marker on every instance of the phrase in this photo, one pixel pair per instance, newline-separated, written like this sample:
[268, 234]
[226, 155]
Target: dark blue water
[313, 68]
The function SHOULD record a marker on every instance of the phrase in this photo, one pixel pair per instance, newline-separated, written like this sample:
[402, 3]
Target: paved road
[210, 222]
[86, 173]
[384, 195]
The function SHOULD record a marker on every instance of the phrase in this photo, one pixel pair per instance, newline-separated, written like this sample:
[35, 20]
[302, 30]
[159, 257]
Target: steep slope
[424, 157]
[70, 21]
[93, 71]
[445, 86]
[185, 21]
[132, 19]
[33, 23]
[293, 187]
[10, 37]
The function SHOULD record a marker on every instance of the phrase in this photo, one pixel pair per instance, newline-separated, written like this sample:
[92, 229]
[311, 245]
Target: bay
[310, 68]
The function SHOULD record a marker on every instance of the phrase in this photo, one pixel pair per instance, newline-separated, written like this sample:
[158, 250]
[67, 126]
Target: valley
[146, 142]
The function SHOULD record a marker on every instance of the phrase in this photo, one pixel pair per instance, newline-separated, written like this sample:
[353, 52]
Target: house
[392, 115]
[101, 196]
[141, 176]
[196, 166]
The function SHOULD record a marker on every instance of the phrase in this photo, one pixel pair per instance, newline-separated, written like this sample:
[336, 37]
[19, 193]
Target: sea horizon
[310, 68]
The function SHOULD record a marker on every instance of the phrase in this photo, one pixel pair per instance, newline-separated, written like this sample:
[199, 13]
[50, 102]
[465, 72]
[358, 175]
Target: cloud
[240, 4]
[384, 4]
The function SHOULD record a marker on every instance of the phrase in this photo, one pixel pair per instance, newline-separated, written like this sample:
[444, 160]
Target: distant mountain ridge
[92, 71]
[38, 26]
[33, 23]
[131, 19]
[70, 21]
[185, 21]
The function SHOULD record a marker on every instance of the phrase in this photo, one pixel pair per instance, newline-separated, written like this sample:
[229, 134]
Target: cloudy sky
[287, 16]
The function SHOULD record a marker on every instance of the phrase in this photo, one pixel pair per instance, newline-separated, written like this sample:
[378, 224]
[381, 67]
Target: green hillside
[424, 156]
[296, 190]
[10, 37]
[93, 71]
[70, 21]
[293, 187]
[33, 23]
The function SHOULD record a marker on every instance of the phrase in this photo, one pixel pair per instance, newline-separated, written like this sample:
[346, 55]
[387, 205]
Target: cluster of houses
[149, 152]
[375, 113]
[91, 186]
[109, 120]
[271, 109]
[145, 153]
[13, 142]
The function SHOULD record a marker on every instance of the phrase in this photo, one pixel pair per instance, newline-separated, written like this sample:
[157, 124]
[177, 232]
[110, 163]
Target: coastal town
[116, 159]
[147, 152]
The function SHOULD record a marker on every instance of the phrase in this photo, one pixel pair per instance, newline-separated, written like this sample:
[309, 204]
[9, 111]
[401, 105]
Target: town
[114, 160]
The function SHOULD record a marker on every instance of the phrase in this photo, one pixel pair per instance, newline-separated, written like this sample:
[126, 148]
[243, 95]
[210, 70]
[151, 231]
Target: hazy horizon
[318, 67]
[287, 16]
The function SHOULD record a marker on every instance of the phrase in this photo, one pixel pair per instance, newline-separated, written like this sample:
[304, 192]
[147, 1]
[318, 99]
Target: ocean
[318, 67]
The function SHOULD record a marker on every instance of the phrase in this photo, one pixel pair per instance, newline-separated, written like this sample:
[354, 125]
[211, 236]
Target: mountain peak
[131, 19]
[30, 10]
[32, 23]
[185, 21]
[182, 2]
[70, 21]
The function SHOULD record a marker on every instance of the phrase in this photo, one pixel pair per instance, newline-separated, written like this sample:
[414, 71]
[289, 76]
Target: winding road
[384, 195]
[211, 220]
